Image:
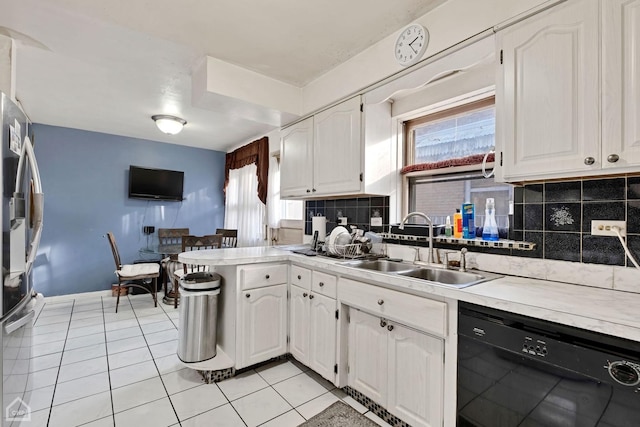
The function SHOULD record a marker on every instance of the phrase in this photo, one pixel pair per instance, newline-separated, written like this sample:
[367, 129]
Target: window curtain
[274, 204]
[245, 189]
[244, 211]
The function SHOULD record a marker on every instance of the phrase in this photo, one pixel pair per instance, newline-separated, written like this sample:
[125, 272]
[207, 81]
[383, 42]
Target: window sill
[499, 244]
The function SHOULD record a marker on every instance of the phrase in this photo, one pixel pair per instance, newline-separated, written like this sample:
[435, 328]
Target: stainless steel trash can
[198, 316]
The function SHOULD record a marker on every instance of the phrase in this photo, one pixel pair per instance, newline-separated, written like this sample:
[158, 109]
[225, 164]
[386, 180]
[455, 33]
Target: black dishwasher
[515, 370]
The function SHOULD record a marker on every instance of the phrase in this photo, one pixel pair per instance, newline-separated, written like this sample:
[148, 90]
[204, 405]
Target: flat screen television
[155, 184]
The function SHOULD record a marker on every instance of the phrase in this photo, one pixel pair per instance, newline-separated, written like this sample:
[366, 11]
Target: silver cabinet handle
[612, 158]
[248, 295]
[390, 328]
[266, 277]
[308, 191]
[311, 296]
[383, 323]
[17, 324]
[589, 161]
[299, 277]
[380, 302]
[321, 284]
[304, 295]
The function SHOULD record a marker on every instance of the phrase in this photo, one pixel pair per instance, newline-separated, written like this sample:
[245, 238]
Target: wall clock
[411, 44]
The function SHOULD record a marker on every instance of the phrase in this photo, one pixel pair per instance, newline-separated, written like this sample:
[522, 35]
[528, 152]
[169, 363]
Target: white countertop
[601, 310]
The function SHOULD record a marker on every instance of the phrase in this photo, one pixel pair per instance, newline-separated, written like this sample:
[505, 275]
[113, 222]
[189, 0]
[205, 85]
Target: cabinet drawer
[257, 276]
[421, 313]
[325, 284]
[300, 276]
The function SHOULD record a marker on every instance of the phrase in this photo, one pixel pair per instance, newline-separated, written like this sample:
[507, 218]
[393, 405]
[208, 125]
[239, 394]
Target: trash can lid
[201, 280]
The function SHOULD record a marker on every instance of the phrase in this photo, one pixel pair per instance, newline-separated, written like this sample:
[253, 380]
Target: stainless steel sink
[382, 265]
[457, 279]
[440, 276]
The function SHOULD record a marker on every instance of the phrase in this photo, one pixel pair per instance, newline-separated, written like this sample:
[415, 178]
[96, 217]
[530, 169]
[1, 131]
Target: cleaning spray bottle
[490, 228]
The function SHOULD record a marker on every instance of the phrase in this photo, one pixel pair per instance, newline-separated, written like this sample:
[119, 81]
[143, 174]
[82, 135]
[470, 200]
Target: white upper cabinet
[341, 151]
[547, 94]
[621, 83]
[568, 92]
[296, 146]
[337, 149]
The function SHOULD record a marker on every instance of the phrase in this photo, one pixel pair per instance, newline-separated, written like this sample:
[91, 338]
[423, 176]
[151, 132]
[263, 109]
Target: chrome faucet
[463, 260]
[429, 222]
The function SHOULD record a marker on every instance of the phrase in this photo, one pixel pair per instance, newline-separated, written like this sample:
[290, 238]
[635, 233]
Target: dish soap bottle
[447, 227]
[457, 224]
[490, 228]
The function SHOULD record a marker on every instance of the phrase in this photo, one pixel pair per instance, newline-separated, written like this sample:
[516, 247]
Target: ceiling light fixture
[169, 124]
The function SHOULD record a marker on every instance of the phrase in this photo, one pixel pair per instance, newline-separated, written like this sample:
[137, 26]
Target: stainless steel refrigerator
[22, 209]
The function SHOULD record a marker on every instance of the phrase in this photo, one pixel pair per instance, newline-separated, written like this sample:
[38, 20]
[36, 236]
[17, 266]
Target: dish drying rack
[348, 251]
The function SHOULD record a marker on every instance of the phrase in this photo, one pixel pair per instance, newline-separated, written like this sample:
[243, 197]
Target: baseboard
[83, 295]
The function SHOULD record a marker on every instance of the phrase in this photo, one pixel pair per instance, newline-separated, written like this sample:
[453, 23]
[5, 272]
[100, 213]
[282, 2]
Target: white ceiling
[108, 66]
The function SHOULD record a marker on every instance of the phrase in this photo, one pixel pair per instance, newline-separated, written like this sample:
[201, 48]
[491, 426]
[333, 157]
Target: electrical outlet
[603, 227]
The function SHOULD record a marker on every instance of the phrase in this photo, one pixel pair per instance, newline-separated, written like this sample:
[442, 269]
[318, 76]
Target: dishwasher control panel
[534, 347]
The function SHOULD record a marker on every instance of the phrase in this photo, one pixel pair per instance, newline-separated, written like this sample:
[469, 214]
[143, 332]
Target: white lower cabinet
[299, 324]
[368, 366]
[398, 367]
[263, 324]
[312, 334]
[322, 335]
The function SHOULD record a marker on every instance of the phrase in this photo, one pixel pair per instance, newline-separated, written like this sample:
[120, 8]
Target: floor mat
[339, 414]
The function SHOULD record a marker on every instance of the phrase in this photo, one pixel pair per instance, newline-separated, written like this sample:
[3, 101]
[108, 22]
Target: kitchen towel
[319, 224]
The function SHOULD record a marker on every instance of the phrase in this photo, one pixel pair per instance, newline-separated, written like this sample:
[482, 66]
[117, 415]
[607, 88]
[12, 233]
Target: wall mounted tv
[155, 184]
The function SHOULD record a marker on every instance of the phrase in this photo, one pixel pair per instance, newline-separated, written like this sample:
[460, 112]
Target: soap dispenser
[490, 228]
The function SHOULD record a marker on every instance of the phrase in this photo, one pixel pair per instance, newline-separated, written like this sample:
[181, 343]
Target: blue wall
[85, 181]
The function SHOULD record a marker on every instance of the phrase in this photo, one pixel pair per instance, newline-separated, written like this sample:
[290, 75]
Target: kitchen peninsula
[263, 287]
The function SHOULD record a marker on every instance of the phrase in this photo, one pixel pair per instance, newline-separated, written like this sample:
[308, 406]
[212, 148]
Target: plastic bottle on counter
[447, 227]
[468, 221]
[490, 228]
[457, 224]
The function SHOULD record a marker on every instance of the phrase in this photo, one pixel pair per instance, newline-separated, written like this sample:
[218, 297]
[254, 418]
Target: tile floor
[95, 367]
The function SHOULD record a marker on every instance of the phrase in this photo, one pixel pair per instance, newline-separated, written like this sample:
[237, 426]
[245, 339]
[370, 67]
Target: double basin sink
[440, 276]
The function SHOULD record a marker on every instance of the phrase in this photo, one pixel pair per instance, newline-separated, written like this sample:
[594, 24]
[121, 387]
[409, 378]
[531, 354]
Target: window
[459, 136]
[440, 196]
[456, 133]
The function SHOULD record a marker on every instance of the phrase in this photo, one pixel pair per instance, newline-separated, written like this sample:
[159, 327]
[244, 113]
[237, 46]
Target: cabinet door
[621, 83]
[368, 356]
[299, 324]
[322, 333]
[337, 149]
[263, 332]
[296, 159]
[548, 93]
[416, 368]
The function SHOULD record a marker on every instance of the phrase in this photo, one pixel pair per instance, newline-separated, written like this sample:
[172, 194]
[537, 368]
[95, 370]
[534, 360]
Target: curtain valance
[255, 152]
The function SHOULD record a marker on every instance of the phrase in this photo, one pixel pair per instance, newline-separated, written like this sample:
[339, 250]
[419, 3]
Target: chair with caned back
[229, 237]
[170, 245]
[131, 274]
[194, 243]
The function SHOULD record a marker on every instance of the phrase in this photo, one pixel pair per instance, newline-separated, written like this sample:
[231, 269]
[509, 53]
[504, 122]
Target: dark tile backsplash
[557, 217]
[358, 211]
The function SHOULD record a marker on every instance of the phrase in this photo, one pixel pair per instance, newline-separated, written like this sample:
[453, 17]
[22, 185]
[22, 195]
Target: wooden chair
[170, 245]
[229, 237]
[129, 273]
[170, 239]
[194, 243]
